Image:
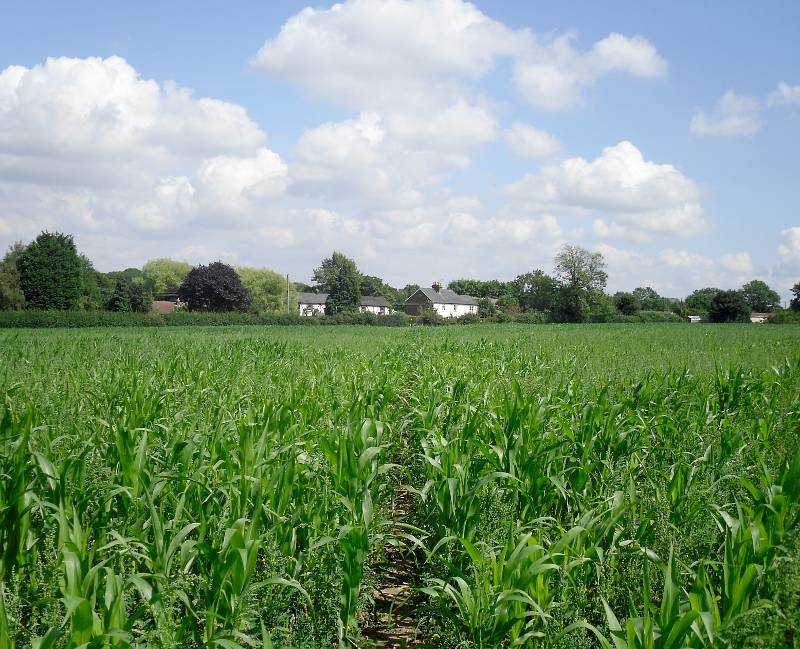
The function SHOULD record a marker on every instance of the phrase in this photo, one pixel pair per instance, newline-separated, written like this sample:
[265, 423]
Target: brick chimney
[436, 286]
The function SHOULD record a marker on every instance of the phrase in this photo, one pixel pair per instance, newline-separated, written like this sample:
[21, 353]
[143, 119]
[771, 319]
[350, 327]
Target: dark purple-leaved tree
[215, 287]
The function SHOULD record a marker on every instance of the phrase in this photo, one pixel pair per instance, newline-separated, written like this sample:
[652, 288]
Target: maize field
[610, 486]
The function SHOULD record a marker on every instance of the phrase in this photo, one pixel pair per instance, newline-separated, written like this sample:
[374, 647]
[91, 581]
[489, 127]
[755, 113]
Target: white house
[311, 303]
[760, 318]
[314, 304]
[443, 301]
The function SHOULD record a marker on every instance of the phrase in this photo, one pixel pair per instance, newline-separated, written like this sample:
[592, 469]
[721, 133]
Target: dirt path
[394, 623]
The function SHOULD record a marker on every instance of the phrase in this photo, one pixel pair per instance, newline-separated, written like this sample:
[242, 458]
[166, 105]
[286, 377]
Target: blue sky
[428, 140]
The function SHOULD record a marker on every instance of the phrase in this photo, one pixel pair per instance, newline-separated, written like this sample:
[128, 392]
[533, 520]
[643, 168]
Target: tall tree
[794, 305]
[141, 297]
[267, 289]
[215, 287]
[626, 303]
[50, 272]
[11, 296]
[760, 296]
[535, 291]
[162, 274]
[581, 279]
[700, 299]
[729, 306]
[121, 298]
[649, 299]
[338, 276]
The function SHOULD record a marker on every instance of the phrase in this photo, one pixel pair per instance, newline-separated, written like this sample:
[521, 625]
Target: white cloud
[732, 116]
[552, 74]
[740, 263]
[637, 193]
[235, 183]
[684, 259]
[399, 55]
[785, 95]
[789, 248]
[88, 146]
[530, 142]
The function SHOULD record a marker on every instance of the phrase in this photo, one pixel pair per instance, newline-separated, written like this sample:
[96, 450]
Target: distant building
[309, 304]
[442, 301]
[166, 301]
[694, 318]
[760, 318]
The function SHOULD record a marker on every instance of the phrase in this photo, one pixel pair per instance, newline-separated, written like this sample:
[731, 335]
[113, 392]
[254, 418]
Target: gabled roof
[321, 298]
[374, 300]
[446, 296]
[312, 298]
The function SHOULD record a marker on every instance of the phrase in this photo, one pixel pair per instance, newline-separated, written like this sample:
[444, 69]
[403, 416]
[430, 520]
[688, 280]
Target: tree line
[50, 274]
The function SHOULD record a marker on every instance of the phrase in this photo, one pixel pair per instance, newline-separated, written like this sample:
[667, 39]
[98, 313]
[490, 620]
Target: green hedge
[76, 319]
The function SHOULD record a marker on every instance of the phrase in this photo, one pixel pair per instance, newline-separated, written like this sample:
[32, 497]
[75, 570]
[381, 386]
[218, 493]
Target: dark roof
[446, 296]
[311, 298]
[320, 298]
[374, 300]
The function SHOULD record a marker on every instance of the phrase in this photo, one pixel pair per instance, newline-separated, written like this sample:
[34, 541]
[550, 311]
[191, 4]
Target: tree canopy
[794, 305]
[700, 300]
[581, 279]
[729, 306]
[162, 274]
[50, 272]
[267, 289]
[626, 303]
[760, 296]
[338, 276]
[215, 287]
[649, 299]
[11, 296]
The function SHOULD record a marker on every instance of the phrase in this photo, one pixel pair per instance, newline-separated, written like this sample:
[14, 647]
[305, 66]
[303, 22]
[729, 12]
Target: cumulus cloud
[789, 248]
[411, 55]
[646, 196]
[530, 142]
[740, 115]
[740, 263]
[552, 74]
[732, 116]
[785, 95]
[90, 147]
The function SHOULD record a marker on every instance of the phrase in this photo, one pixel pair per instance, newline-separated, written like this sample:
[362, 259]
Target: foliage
[267, 290]
[11, 295]
[215, 287]
[564, 487]
[338, 276]
[699, 302]
[627, 303]
[163, 274]
[581, 278]
[140, 294]
[794, 305]
[121, 298]
[50, 272]
[480, 288]
[729, 306]
[760, 297]
[649, 299]
[486, 308]
[535, 291]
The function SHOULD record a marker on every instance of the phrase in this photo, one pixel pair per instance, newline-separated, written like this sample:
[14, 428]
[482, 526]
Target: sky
[427, 140]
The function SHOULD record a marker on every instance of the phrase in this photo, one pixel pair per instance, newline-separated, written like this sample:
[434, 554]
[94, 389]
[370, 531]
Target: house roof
[312, 298]
[446, 296]
[321, 298]
[163, 306]
[374, 300]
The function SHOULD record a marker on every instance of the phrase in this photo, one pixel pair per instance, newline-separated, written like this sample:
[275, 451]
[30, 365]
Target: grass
[599, 486]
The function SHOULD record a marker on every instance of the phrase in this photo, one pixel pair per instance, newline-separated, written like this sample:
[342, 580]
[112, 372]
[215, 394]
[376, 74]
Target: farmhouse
[166, 301]
[760, 318]
[443, 301]
[314, 304]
